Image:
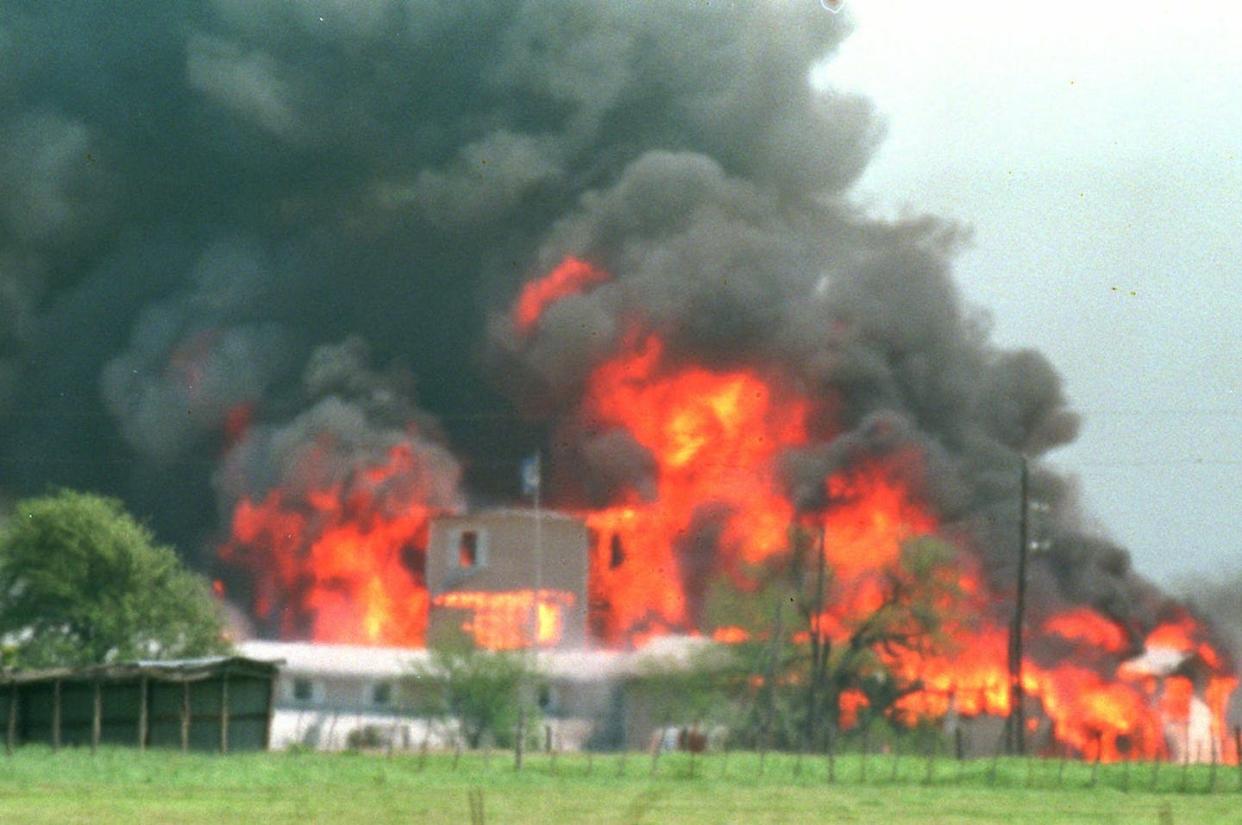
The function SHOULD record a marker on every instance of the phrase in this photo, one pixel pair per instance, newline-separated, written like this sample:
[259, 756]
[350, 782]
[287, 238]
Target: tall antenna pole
[532, 483]
[1017, 695]
[538, 547]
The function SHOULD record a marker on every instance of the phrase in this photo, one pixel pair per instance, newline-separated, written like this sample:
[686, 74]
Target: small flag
[531, 479]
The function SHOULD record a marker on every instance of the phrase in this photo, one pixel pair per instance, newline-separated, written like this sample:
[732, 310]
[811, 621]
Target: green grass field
[123, 786]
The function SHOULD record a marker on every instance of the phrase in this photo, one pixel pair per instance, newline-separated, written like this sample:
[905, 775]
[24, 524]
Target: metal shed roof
[166, 670]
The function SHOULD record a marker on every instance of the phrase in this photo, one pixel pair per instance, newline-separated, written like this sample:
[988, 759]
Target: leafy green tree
[483, 690]
[692, 688]
[81, 582]
[917, 596]
[792, 674]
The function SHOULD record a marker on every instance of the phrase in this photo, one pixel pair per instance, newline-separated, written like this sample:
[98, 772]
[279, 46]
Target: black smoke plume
[197, 198]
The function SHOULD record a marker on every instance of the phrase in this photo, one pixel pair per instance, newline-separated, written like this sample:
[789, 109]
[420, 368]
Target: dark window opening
[616, 555]
[382, 693]
[303, 690]
[468, 549]
[545, 697]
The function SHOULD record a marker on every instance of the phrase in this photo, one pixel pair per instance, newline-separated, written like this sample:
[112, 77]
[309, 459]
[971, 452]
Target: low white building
[330, 696]
[326, 693]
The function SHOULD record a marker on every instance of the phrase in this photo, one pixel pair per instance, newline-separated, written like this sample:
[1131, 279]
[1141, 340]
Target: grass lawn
[124, 786]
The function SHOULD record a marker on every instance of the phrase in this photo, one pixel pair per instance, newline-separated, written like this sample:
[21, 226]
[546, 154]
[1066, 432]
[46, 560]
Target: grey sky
[1097, 154]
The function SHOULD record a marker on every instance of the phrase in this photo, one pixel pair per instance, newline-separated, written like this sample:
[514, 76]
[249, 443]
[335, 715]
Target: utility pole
[1016, 737]
[818, 654]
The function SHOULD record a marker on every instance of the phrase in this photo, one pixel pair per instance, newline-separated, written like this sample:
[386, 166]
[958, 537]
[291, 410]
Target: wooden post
[832, 752]
[1185, 755]
[96, 717]
[185, 716]
[862, 771]
[1212, 775]
[519, 741]
[142, 714]
[56, 715]
[224, 712]
[1237, 749]
[10, 733]
[1015, 729]
[271, 712]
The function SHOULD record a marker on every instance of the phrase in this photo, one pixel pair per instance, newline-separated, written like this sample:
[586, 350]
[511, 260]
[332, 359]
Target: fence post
[519, 743]
[1212, 772]
[1185, 758]
[422, 749]
[96, 717]
[142, 714]
[1000, 745]
[959, 749]
[11, 733]
[224, 713]
[866, 749]
[56, 715]
[832, 753]
[185, 716]
[1237, 750]
[475, 797]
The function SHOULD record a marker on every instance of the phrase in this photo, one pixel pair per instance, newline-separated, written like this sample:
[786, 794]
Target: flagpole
[538, 546]
[535, 482]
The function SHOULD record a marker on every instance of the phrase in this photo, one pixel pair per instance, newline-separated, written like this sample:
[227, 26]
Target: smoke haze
[233, 229]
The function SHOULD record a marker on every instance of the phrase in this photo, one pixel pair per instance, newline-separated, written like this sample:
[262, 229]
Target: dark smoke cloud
[351, 418]
[199, 201]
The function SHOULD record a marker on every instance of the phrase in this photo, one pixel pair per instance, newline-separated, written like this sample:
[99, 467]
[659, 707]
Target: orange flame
[1088, 628]
[714, 436]
[503, 620]
[870, 516]
[338, 564]
[571, 276]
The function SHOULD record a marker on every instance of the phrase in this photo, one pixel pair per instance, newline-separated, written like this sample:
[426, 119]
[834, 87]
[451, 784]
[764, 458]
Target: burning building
[407, 245]
[509, 578]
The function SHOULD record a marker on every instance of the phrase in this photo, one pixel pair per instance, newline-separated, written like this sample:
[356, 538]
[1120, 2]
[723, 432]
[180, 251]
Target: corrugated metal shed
[221, 703]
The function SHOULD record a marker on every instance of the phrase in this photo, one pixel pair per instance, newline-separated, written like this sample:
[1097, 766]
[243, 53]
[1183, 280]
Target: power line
[1166, 411]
